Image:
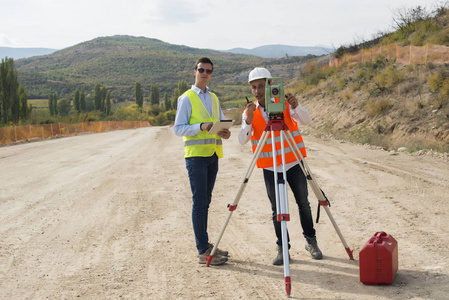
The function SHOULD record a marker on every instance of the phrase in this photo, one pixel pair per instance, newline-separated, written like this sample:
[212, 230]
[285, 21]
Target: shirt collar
[259, 106]
[198, 90]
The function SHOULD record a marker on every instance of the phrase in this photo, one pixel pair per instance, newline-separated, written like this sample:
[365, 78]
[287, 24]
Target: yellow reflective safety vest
[202, 144]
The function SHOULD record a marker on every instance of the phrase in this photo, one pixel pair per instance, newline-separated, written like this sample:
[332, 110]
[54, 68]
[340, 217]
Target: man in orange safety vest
[254, 120]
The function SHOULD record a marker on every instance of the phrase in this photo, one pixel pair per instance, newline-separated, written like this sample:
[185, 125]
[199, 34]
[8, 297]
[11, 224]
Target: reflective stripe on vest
[202, 144]
[266, 156]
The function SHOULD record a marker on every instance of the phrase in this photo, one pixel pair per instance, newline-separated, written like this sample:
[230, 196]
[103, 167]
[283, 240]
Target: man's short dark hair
[204, 60]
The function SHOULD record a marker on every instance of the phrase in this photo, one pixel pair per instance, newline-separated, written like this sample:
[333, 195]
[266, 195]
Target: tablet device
[220, 125]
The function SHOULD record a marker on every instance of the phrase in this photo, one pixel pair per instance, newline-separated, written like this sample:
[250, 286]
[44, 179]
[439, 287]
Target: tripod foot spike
[208, 260]
[349, 251]
[288, 285]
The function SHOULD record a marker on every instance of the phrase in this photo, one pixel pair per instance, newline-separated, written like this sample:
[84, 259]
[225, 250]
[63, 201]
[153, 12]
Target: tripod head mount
[276, 116]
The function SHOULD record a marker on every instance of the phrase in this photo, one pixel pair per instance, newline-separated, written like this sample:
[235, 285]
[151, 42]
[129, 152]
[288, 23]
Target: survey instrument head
[274, 95]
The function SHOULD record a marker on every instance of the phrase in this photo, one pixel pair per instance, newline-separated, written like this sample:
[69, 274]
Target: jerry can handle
[378, 236]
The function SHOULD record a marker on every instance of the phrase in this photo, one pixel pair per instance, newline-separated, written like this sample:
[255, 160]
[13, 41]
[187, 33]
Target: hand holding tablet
[221, 125]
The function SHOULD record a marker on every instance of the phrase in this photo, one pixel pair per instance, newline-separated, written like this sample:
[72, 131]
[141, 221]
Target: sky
[205, 24]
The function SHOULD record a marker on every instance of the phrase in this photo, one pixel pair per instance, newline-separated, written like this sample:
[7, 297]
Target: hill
[278, 51]
[119, 61]
[18, 53]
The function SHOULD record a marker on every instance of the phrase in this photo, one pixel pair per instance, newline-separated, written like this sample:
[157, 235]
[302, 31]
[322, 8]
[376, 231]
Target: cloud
[5, 40]
[173, 12]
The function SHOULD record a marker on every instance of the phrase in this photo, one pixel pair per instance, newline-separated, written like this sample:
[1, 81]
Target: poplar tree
[50, 104]
[25, 110]
[167, 102]
[138, 94]
[82, 101]
[154, 94]
[55, 103]
[97, 97]
[108, 104]
[103, 99]
[76, 101]
[9, 96]
[182, 86]
[175, 98]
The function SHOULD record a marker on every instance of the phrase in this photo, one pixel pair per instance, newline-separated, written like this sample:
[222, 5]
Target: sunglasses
[208, 71]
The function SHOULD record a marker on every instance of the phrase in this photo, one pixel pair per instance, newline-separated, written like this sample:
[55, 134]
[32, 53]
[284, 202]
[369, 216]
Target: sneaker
[218, 250]
[312, 247]
[216, 260]
[279, 259]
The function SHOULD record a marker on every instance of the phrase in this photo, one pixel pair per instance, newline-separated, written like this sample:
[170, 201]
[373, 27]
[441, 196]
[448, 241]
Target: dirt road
[107, 216]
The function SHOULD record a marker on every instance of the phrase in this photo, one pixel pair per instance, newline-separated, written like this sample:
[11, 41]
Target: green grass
[38, 103]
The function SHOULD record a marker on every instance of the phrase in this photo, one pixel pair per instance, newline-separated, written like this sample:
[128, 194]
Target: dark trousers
[202, 174]
[298, 184]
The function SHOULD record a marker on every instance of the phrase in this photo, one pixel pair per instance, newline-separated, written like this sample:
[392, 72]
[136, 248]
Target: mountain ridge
[264, 51]
[18, 53]
[279, 51]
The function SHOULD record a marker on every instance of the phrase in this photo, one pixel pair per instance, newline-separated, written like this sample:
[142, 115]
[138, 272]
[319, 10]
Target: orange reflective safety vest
[266, 156]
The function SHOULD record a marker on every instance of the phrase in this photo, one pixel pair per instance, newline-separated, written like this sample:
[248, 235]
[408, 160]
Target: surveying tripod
[276, 124]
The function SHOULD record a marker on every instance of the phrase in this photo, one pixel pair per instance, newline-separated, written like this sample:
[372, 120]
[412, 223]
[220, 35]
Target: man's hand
[206, 126]
[291, 100]
[250, 108]
[224, 134]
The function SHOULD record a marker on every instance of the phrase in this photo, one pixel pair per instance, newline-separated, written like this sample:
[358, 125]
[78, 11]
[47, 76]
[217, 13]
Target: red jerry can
[378, 259]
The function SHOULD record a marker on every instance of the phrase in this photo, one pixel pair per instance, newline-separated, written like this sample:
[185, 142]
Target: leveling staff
[198, 109]
[254, 120]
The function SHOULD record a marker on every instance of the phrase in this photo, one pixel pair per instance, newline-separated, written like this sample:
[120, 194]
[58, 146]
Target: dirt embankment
[404, 115]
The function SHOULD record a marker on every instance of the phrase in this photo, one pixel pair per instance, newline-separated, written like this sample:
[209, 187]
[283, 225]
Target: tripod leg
[282, 209]
[238, 195]
[317, 190]
[287, 278]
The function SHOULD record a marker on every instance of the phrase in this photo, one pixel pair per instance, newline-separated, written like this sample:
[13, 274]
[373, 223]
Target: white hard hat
[258, 73]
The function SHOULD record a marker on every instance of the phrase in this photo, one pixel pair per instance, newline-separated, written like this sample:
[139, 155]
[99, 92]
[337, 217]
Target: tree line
[154, 98]
[101, 102]
[14, 106]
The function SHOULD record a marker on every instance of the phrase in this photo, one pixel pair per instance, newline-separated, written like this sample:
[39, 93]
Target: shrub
[444, 90]
[341, 83]
[376, 107]
[163, 118]
[439, 38]
[64, 107]
[356, 86]
[417, 39]
[368, 135]
[409, 87]
[389, 78]
[347, 95]
[361, 74]
[129, 113]
[436, 81]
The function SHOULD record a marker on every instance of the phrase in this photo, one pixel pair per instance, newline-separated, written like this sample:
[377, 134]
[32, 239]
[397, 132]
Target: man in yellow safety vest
[198, 109]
